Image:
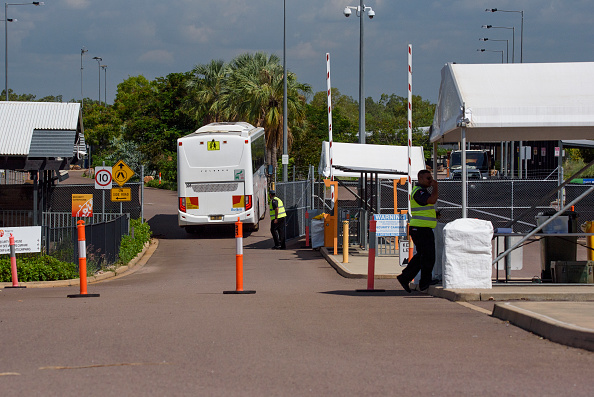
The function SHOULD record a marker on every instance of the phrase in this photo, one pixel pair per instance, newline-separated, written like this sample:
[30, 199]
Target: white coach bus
[221, 176]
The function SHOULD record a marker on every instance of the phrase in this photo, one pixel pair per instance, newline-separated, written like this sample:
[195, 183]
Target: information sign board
[390, 224]
[26, 239]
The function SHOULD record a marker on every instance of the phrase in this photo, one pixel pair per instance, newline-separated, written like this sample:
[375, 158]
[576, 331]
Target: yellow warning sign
[121, 173]
[121, 194]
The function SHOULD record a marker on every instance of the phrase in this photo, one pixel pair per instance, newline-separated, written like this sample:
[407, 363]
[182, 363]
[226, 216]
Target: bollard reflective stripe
[82, 249]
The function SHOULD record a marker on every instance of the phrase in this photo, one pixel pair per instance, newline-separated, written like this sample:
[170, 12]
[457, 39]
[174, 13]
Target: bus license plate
[216, 217]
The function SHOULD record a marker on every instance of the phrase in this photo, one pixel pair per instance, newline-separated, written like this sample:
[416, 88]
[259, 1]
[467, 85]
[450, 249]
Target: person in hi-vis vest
[277, 221]
[422, 222]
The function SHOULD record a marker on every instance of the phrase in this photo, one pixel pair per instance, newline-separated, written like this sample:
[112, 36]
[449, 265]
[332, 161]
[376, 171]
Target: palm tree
[204, 88]
[253, 91]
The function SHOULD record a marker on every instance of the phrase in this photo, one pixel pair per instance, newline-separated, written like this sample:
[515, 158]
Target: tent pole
[560, 173]
[464, 168]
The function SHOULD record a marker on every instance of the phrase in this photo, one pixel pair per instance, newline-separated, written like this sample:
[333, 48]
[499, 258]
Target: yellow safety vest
[281, 209]
[421, 215]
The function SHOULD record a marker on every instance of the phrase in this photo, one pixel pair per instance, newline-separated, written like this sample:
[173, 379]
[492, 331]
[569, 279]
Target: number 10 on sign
[103, 178]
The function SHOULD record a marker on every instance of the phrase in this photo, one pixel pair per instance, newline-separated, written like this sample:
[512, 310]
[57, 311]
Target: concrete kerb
[135, 264]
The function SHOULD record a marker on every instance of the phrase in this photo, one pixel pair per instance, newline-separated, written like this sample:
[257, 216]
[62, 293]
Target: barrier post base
[370, 290]
[239, 292]
[84, 296]
[15, 286]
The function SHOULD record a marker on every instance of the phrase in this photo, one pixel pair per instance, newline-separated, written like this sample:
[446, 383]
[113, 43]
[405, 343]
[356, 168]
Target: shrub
[38, 268]
[131, 246]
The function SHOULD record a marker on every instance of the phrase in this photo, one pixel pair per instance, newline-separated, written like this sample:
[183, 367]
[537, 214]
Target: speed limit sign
[102, 177]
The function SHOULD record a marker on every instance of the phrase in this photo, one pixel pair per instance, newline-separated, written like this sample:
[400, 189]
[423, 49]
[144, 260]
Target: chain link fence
[497, 201]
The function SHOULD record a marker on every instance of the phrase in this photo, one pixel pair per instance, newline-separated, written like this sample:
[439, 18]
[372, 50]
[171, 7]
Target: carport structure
[42, 138]
[514, 102]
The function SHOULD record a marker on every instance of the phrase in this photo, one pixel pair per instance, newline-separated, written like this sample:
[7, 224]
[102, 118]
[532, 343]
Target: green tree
[253, 91]
[204, 91]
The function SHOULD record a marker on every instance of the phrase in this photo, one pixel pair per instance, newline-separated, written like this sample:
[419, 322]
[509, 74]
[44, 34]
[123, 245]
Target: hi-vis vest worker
[422, 215]
[281, 208]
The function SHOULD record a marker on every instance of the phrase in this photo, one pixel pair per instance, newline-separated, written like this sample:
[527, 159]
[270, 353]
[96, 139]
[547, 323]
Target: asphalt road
[168, 329]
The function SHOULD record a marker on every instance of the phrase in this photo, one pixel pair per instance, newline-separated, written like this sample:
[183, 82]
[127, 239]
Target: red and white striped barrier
[329, 88]
[82, 263]
[239, 261]
[410, 243]
[13, 265]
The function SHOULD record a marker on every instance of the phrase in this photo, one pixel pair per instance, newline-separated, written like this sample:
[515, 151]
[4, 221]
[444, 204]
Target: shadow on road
[164, 226]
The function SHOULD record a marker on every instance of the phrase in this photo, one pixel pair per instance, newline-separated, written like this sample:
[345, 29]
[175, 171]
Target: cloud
[77, 4]
[157, 56]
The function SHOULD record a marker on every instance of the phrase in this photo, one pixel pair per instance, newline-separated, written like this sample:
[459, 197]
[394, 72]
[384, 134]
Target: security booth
[42, 139]
[360, 171]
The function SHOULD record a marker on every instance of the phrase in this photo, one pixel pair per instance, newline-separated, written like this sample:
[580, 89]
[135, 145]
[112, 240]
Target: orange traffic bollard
[82, 263]
[239, 261]
[371, 260]
[13, 265]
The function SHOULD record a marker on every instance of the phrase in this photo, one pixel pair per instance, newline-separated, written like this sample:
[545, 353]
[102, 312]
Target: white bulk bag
[467, 254]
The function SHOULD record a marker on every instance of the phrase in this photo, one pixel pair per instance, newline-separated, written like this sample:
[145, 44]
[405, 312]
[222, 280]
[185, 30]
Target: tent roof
[352, 159]
[511, 102]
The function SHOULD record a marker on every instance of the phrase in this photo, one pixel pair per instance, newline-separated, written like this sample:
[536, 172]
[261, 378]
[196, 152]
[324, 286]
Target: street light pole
[99, 59]
[82, 98]
[521, 29]
[506, 46]
[6, 20]
[104, 67]
[360, 10]
[285, 111]
[501, 51]
[513, 37]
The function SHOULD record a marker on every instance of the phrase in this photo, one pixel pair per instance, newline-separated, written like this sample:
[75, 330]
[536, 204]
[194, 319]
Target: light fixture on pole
[513, 37]
[501, 51]
[360, 10]
[104, 67]
[6, 20]
[521, 29]
[83, 50]
[99, 59]
[506, 45]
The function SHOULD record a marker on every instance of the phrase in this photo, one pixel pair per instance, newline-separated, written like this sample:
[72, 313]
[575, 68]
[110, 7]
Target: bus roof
[239, 128]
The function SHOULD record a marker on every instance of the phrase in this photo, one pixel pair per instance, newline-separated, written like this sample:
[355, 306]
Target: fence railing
[498, 201]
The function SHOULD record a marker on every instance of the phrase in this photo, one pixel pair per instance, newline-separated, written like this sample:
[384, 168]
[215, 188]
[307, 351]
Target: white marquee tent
[513, 102]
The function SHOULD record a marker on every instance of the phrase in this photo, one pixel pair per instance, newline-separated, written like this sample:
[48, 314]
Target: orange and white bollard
[159, 178]
[239, 261]
[371, 260]
[13, 265]
[82, 263]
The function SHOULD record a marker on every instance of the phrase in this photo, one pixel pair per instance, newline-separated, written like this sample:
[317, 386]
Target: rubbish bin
[557, 248]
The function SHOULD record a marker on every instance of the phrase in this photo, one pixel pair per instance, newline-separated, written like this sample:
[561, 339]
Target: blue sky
[155, 38]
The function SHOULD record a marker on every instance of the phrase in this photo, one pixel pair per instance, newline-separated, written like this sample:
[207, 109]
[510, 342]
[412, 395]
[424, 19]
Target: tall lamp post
[6, 20]
[359, 11]
[83, 50]
[104, 67]
[513, 37]
[501, 51]
[285, 111]
[506, 46]
[521, 29]
[99, 59]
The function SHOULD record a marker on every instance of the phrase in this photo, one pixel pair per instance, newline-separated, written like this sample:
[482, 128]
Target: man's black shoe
[404, 284]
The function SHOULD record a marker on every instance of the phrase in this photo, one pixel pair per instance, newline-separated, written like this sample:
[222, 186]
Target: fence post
[82, 263]
[13, 265]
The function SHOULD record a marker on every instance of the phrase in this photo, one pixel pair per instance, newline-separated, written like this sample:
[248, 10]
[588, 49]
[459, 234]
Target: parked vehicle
[477, 163]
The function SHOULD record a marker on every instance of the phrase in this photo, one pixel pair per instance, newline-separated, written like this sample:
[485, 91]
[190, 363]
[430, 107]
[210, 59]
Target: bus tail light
[182, 204]
[248, 202]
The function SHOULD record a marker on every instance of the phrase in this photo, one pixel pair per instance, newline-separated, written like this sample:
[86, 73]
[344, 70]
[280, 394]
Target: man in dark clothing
[277, 221]
[422, 222]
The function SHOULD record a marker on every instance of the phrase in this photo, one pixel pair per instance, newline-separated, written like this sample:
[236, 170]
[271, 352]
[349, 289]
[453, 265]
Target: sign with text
[390, 224]
[121, 194]
[26, 239]
[403, 249]
[82, 205]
